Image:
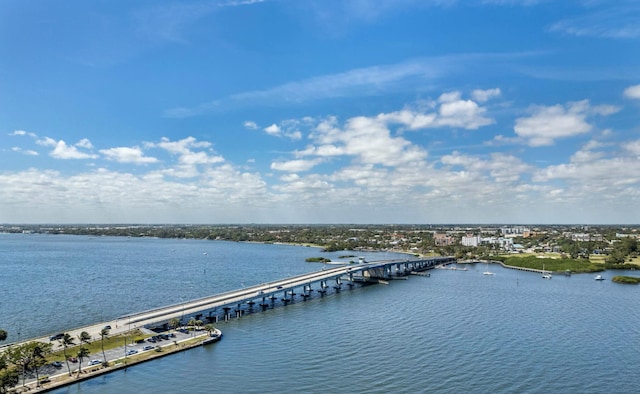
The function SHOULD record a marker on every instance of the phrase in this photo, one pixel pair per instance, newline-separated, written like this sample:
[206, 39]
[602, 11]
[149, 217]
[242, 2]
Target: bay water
[455, 331]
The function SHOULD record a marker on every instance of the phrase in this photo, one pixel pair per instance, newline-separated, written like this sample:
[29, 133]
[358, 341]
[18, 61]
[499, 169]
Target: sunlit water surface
[455, 331]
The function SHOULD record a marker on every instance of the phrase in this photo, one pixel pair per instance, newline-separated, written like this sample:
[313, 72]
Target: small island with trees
[317, 260]
[630, 280]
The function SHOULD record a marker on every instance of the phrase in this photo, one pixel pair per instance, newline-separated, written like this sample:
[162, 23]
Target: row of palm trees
[30, 356]
[175, 323]
[33, 355]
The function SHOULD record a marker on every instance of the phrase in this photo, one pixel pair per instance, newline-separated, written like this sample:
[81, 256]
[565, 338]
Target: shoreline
[62, 380]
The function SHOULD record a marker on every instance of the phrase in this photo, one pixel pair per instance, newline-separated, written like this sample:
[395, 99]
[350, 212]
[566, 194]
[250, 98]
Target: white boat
[545, 274]
[487, 273]
[599, 277]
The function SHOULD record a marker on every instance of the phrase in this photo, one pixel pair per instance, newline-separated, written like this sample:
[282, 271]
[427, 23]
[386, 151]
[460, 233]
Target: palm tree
[39, 357]
[82, 353]
[84, 337]
[66, 341]
[210, 328]
[173, 323]
[103, 334]
[191, 323]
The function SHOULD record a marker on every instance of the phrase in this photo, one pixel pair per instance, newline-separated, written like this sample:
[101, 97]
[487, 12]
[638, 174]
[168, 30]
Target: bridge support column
[323, 288]
[226, 313]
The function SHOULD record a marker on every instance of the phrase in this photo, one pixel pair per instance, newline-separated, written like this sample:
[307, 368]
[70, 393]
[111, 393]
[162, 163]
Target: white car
[95, 362]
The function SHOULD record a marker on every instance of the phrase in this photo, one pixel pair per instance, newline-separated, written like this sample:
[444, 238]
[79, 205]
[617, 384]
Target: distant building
[443, 239]
[471, 240]
[586, 237]
[504, 243]
[517, 231]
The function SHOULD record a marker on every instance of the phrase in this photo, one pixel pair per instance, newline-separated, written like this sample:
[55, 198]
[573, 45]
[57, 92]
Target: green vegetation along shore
[631, 280]
[551, 264]
[317, 260]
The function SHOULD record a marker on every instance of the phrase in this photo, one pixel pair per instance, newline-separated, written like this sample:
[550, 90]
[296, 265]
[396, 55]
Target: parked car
[132, 351]
[57, 364]
[94, 362]
[56, 337]
[148, 347]
[107, 327]
[72, 359]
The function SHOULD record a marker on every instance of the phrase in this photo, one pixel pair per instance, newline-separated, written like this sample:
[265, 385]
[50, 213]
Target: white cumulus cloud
[547, 124]
[298, 165]
[27, 152]
[64, 151]
[127, 155]
[451, 110]
[482, 96]
[250, 125]
[274, 129]
[633, 147]
[632, 92]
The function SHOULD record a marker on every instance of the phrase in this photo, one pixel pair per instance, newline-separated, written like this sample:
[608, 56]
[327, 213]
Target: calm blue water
[452, 332]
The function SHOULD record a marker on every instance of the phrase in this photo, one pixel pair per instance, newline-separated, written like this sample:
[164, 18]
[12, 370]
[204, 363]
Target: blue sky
[320, 111]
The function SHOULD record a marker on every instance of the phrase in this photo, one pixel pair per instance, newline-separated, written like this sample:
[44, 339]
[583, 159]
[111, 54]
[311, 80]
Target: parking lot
[126, 350]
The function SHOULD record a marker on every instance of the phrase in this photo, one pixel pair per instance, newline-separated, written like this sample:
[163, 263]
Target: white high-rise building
[471, 240]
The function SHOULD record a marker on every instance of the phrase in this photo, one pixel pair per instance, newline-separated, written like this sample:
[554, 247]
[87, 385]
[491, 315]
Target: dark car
[57, 364]
[279, 287]
[56, 337]
[72, 359]
[107, 327]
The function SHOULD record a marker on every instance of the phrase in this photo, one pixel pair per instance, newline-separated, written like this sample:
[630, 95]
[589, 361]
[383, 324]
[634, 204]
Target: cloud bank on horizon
[260, 111]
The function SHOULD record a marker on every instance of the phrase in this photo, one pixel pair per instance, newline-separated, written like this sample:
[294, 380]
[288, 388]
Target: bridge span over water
[237, 302]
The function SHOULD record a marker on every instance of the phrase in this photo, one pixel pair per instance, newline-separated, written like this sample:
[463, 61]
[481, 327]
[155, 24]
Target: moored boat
[215, 336]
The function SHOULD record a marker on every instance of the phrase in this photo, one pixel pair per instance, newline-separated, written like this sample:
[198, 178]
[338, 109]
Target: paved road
[110, 354]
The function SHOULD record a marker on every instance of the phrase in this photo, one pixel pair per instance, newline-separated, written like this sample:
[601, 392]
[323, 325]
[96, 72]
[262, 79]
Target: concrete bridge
[234, 304]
